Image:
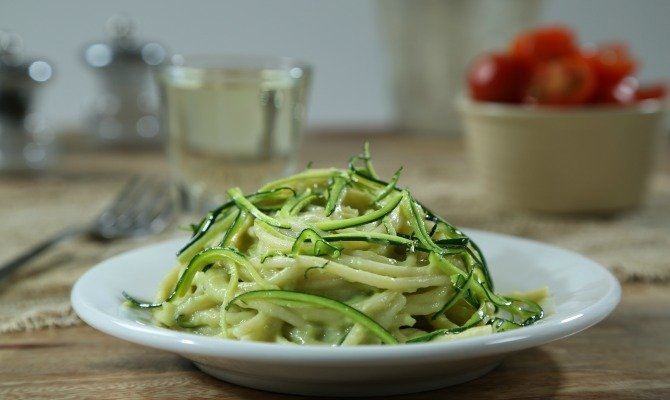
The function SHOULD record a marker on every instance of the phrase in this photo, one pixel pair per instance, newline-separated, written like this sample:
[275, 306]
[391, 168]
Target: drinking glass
[231, 121]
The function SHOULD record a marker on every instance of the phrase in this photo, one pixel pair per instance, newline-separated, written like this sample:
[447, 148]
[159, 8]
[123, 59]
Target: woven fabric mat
[635, 245]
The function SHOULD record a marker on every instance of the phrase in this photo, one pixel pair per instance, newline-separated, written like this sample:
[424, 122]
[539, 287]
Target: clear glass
[231, 121]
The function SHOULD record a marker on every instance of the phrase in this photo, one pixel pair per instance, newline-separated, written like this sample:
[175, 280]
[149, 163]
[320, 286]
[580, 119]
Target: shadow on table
[529, 374]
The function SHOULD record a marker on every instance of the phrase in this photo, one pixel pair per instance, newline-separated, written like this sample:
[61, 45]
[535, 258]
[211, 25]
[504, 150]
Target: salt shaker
[26, 142]
[126, 114]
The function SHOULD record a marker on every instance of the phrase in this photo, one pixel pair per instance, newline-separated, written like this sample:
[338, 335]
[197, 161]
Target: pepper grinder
[126, 114]
[26, 142]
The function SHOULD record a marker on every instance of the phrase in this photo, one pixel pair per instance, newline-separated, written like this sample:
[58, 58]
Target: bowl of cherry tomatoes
[555, 127]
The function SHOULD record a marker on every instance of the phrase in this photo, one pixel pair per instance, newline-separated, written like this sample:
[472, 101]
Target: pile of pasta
[335, 257]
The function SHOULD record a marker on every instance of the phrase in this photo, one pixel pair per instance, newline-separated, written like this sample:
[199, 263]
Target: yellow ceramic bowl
[564, 160]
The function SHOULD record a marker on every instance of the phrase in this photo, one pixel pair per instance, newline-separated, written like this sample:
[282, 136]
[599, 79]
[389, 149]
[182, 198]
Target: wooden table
[625, 356]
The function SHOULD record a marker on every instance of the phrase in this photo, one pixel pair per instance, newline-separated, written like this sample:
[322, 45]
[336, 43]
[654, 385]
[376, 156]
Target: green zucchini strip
[206, 224]
[238, 223]
[373, 185]
[483, 264]
[390, 187]
[307, 200]
[306, 179]
[133, 302]
[279, 195]
[274, 254]
[389, 226]
[243, 203]
[461, 286]
[457, 232]
[335, 193]
[367, 169]
[284, 211]
[363, 236]
[368, 160]
[374, 237]
[502, 325]
[445, 265]
[182, 322]
[417, 223]
[314, 300]
[526, 311]
[332, 225]
[459, 242]
[219, 227]
[475, 320]
[320, 247]
[211, 256]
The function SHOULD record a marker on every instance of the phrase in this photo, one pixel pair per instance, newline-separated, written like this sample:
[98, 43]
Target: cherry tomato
[565, 81]
[612, 62]
[544, 44]
[496, 77]
[657, 92]
[624, 92]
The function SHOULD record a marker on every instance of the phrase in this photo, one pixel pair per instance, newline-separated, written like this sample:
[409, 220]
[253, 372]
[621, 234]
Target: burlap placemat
[636, 246]
[37, 295]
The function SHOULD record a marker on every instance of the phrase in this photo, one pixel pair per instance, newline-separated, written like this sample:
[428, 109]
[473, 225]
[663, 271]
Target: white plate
[583, 294]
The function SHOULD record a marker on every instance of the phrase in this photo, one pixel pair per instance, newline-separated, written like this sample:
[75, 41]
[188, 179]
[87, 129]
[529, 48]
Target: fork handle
[36, 250]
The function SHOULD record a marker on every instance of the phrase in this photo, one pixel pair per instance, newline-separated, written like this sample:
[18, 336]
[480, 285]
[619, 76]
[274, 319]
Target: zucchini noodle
[335, 257]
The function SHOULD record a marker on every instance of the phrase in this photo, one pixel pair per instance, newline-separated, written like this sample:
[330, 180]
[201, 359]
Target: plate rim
[489, 345]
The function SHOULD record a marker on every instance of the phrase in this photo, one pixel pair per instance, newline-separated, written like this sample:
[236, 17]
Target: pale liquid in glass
[231, 133]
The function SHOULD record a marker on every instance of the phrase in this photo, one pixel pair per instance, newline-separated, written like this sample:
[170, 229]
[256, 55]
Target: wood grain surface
[625, 356]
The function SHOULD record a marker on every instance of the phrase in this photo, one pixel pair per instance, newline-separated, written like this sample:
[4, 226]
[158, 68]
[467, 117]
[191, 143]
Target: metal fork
[142, 207]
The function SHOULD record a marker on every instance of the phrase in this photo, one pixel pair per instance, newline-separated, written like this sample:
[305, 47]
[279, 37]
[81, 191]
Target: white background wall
[341, 38]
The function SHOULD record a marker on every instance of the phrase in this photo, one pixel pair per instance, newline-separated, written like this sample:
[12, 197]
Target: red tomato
[544, 44]
[612, 62]
[657, 92]
[496, 77]
[565, 81]
[623, 92]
